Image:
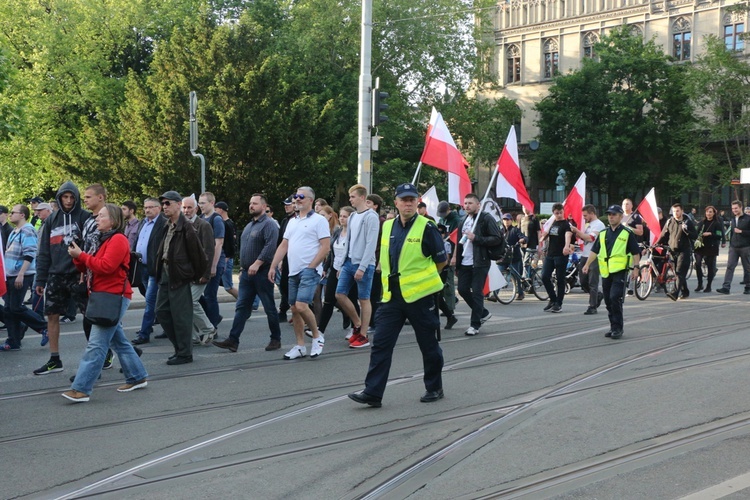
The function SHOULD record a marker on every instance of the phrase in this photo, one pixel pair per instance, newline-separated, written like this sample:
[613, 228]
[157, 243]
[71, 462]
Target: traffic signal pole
[364, 162]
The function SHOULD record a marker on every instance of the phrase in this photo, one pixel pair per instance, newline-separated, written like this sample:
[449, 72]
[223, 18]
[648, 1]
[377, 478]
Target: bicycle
[649, 274]
[529, 282]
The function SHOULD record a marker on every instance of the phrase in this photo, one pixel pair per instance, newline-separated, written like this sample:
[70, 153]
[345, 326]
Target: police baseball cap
[35, 199]
[171, 196]
[407, 189]
[615, 209]
[222, 205]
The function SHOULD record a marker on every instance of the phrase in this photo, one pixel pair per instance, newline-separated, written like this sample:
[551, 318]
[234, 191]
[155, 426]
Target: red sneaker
[358, 341]
[356, 331]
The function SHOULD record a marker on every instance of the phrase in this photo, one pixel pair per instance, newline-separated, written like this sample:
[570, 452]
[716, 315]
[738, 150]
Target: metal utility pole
[364, 163]
[194, 137]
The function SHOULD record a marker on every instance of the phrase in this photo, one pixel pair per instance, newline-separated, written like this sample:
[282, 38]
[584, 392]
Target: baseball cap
[406, 189]
[615, 209]
[35, 199]
[171, 196]
[43, 206]
[443, 208]
[222, 205]
[507, 217]
[288, 201]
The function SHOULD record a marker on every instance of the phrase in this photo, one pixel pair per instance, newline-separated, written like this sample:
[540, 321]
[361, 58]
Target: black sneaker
[108, 360]
[452, 320]
[549, 306]
[590, 310]
[67, 320]
[723, 291]
[556, 308]
[51, 366]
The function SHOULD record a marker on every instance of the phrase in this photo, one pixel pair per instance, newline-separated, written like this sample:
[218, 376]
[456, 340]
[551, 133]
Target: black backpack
[135, 272]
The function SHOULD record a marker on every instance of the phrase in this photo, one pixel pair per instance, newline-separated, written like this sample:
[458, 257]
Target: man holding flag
[479, 231]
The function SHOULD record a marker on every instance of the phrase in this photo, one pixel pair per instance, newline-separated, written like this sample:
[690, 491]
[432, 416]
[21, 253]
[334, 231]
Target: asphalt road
[538, 405]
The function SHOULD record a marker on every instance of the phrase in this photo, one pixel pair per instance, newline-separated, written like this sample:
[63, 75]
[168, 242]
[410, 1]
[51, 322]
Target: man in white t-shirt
[589, 235]
[306, 242]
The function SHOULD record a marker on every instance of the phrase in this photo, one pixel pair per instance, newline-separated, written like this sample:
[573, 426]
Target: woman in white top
[332, 267]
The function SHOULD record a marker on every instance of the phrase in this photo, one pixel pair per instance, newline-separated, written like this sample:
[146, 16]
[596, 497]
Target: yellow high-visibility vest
[620, 259]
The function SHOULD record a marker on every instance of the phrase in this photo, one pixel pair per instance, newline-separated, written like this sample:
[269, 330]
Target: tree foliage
[618, 118]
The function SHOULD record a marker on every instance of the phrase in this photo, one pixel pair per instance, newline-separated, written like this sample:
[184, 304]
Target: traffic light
[378, 106]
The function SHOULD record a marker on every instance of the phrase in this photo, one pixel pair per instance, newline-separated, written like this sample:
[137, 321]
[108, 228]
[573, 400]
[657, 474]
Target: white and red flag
[650, 214]
[573, 204]
[509, 180]
[430, 198]
[440, 151]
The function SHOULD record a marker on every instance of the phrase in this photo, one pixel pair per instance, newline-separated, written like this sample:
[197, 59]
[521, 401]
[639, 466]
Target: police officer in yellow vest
[411, 257]
[617, 252]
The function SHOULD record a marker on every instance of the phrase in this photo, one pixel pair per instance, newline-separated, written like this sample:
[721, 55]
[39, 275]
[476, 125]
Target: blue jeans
[250, 288]
[346, 279]
[302, 286]
[226, 276]
[93, 357]
[16, 314]
[210, 301]
[558, 265]
[149, 313]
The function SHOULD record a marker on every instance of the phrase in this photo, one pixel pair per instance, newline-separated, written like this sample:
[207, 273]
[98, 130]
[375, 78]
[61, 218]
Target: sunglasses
[15, 213]
[268, 211]
[166, 203]
[298, 196]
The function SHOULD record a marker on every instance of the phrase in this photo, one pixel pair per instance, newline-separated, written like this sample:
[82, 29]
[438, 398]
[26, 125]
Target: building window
[551, 58]
[681, 36]
[636, 30]
[513, 56]
[733, 36]
[589, 40]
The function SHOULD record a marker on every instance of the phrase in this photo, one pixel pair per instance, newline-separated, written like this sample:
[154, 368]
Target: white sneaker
[298, 351]
[207, 339]
[317, 347]
[471, 331]
[308, 332]
[485, 317]
[349, 333]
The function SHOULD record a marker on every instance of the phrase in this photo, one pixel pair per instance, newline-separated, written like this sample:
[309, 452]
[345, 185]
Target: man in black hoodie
[55, 271]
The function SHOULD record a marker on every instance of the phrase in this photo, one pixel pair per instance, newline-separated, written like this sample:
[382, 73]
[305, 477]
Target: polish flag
[509, 181]
[573, 204]
[495, 280]
[650, 215]
[440, 151]
[3, 287]
[430, 198]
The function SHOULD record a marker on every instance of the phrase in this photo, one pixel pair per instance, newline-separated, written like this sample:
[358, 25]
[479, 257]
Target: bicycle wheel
[538, 287]
[671, 281]
[690, 268]
[644, 283]
[508, 293]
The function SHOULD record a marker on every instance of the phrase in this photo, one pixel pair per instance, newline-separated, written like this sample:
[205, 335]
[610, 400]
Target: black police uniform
[391, 316]
[613, 286]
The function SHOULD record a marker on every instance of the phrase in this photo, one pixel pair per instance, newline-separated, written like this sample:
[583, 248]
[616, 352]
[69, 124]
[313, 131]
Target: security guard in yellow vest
[411, 257]
[613, 250]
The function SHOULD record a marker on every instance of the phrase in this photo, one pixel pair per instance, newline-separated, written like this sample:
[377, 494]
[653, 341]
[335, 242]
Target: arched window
[513, 55]
[551, 58]
[636, 30]
[589, 40]
[681, 37]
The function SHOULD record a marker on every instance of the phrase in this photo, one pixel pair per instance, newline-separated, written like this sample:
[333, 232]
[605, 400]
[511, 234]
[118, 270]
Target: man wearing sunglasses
[179, 261]
[306, 243]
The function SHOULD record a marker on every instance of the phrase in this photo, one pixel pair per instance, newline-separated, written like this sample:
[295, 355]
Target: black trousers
[392, 315]
[613, 287]
[471, 288]
[682, 266]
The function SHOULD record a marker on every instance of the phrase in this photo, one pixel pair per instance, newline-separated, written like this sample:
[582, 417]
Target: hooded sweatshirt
[58, 230]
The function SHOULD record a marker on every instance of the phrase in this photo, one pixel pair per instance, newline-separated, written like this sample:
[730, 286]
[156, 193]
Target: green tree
[618, 118]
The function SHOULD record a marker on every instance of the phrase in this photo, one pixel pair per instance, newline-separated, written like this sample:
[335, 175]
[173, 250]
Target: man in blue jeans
[558, 249]
[210, 300]
[150, 232]
[359, 264]
[259, 239]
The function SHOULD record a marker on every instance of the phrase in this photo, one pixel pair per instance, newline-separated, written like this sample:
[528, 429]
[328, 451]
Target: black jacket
[679, 239]
[740, 240]
[154, 240]
[710, 243]
[486, 234]
[186, 258]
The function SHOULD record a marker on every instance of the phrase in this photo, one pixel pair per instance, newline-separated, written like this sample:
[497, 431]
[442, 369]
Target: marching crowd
[82, 253]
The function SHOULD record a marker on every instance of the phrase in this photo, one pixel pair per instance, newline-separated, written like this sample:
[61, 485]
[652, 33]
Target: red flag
[454, 236]
[494, 280]
[509, 180]
[440, 151]
[3, 287]
[573, 204]
[650, 214]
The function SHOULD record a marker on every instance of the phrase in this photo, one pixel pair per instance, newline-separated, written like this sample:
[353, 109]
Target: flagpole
[416, 174]
[482, 203]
